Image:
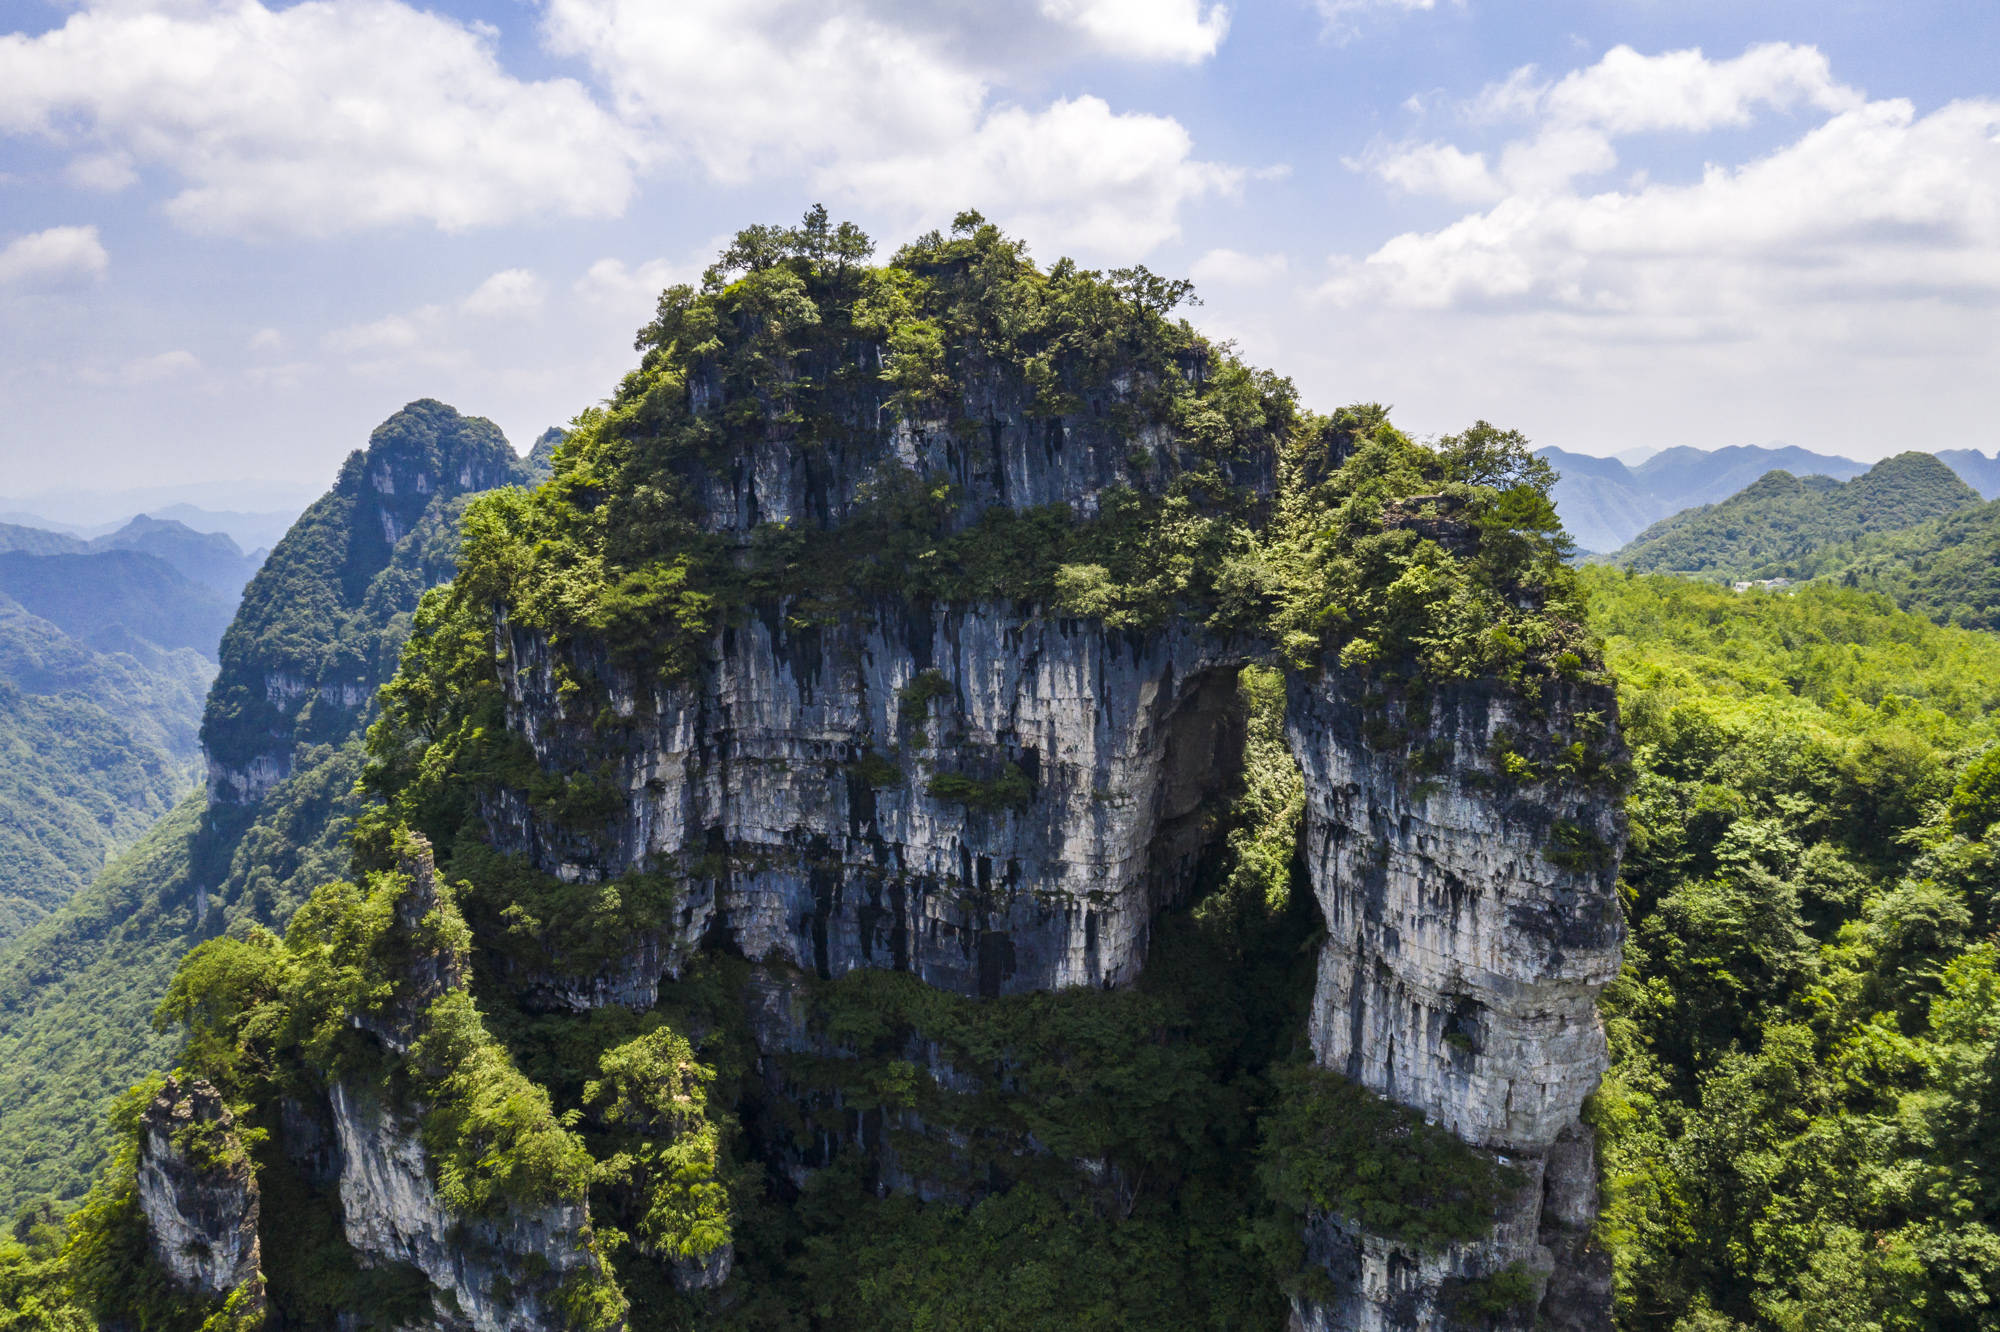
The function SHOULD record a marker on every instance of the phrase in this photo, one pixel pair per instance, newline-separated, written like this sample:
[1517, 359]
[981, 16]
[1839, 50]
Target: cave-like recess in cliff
[948, 699]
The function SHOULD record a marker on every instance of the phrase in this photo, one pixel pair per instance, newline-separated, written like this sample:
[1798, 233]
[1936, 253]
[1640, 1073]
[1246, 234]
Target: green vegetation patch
[1332, 1146]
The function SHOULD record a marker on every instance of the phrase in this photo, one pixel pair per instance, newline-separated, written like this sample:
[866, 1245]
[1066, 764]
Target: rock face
[198, 1192]
[820, 765]
[497, 1272]
[1471, 920]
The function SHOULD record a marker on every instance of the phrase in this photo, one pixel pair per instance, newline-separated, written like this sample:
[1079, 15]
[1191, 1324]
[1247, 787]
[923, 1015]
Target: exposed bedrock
[1012, 457]
[198, 1192]
[994, 802]
[1472, 919]
[494, 1273]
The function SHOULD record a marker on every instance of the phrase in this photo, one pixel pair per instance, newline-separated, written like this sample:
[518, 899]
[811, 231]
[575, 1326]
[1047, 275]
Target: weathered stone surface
[498, 1271]
[1461, 967]
[198, 1192]
[762, 770]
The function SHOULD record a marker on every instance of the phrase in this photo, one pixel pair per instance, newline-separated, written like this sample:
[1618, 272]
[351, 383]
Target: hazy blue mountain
[118, 600]
[209, 558]
[1975, 468]
[39, 541]
[1605, 503]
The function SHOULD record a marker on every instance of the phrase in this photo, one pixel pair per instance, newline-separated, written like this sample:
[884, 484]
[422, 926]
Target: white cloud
[177, 364]
[395, 333]
[1440, 169]
[613, 284]
[891, 113]
[106, 173]
[266, 340]
[1232, 268]
[1175, 30]
[1874, 205]
[510, 291]
[317, 118]
[1077, 173]
[60, 254]
[1627, 93]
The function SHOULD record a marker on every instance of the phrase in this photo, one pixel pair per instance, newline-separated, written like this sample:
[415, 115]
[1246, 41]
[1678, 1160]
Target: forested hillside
[1802, 1122]
[1948, 569]
[98, 715]
[328, 608]
[1785, 526]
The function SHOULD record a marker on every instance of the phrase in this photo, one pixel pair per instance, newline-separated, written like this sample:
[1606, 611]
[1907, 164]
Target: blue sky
[234, 235]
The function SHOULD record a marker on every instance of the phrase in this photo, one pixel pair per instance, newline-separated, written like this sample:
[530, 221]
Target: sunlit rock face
[1472, 919]
[803, 786]
[198, 1192]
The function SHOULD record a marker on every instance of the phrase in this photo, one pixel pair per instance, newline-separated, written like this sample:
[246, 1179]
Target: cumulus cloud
[510, 291]
[316, 118]
[1872, 204]
[1078, 173]
[871, 106]
[60, 254]
[1175, 30]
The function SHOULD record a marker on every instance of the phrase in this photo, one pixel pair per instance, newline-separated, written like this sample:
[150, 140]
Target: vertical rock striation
[803, 789]
[490, 1274]
[1472, 919]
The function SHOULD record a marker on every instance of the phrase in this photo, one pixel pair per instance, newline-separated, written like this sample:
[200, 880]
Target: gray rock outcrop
[1472, 919]
[198, 1192]
[491, 1274]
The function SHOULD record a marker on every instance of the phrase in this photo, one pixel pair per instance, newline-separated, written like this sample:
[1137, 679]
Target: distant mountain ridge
[1786, 526]
[1604, 503]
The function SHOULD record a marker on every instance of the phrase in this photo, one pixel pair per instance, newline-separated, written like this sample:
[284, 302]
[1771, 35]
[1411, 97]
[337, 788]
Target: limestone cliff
[1471, 919]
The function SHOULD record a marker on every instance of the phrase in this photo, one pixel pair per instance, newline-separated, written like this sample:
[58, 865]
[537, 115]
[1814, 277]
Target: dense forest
[1805, 1097]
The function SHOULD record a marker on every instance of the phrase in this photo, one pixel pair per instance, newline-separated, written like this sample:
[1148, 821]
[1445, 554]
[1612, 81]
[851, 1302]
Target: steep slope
[1605, 504]
[94, 747]
[849, 834]
[320, 625]
[1784, 526]
[330, 606]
